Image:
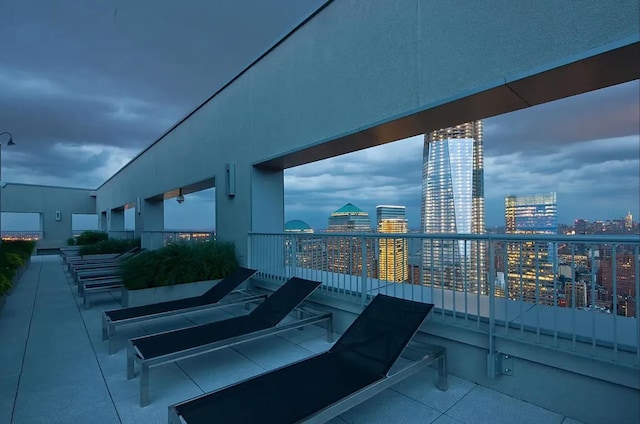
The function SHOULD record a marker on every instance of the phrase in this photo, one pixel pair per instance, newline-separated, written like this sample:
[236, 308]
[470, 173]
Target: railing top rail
[554, 238]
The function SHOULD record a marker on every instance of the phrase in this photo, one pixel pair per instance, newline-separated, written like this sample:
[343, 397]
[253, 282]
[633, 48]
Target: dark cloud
[119, 73]
[544, 129]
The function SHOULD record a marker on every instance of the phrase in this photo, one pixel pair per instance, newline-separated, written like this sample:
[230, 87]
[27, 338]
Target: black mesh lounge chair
[171, 346]
[316, 389]
[208, 300]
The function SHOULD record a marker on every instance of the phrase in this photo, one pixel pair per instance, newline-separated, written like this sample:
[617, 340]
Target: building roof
[349, 208]
[296, 225]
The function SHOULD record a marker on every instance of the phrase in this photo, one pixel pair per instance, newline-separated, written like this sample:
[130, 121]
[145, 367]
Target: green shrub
[13, 254]
[91, 237]
[109, 246]
[7, 272]
[71, 241]
[5, 284]
[23, 248]
[13, 260]
[179, 263]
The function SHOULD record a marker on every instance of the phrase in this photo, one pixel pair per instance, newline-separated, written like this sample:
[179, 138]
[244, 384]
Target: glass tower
[453, 203]
[392, 253]
[345, 254]
[531, 265]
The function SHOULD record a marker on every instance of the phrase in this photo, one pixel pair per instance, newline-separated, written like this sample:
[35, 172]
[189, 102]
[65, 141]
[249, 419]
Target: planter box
[163, 294]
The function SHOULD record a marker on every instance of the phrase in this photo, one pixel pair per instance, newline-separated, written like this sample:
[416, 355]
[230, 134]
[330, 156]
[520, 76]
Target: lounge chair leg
[443, 384]
[330, 329]
[105, 329]
[111, 346]
[144, 384]
[130, 367]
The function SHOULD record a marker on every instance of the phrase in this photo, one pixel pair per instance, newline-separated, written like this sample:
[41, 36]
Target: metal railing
[152, 240]
[576, 293]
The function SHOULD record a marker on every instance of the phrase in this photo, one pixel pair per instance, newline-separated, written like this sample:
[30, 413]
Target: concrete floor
[54, 368]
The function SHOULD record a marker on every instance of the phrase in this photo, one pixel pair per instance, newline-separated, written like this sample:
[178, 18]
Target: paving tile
[422, 387]
[482, 405]
[388, 407]
[11, 357]
[61, 369]
[445, 419]
[65, 403]
[220, 368]
[161, 377]
[205, 317]
[307, 333]
[317, 345]
[272, 352]
[131, 412]
[170, 323]
[8, 390]
[568, 420]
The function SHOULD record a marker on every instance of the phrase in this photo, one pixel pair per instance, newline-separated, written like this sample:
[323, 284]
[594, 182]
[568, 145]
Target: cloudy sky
[85, 85]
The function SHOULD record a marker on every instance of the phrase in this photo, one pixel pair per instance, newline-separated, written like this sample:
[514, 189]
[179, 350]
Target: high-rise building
[392, 253]
[531, 265]
[302, 248]
[628, 222]
[453, 203]
[345, 254]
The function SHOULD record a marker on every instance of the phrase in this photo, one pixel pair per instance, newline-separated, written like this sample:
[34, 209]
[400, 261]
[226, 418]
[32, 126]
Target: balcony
[509, 360]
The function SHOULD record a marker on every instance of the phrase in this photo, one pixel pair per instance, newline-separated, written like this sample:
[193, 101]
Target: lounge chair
[208, 300]
[102, 285]
[171, 346]
[315, 389]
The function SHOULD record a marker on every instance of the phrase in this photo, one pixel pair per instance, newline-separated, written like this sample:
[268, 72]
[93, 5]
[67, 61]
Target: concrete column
[103, 221]
[116, 219]
[149, 223]
[258, 205]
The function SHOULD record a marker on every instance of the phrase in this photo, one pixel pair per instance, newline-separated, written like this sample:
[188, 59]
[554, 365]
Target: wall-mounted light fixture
[230, 179]
[180, 198]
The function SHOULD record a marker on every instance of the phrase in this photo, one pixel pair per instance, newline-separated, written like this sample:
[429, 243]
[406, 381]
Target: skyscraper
[393, 253]
[531, 265]
[453, 202]
[345, 253]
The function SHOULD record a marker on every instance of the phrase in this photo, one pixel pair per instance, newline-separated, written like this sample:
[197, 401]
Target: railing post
[492, 357]
[363, 288]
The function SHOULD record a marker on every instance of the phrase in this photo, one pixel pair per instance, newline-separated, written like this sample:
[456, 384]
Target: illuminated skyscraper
[453, 202]
[531, 265]
[302, 248]
[393, 253]
[345, 253]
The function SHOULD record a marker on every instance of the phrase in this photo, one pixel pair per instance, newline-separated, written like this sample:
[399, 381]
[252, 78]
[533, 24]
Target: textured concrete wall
[45, 200]
[360, 63]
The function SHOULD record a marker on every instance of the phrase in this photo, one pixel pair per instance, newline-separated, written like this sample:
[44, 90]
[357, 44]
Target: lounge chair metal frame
[105, 286]
[135, 357]
[109, 326]
[430, 354]
[420, 355]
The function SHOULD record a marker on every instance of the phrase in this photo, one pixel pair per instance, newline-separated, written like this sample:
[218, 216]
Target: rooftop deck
[56, 369]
